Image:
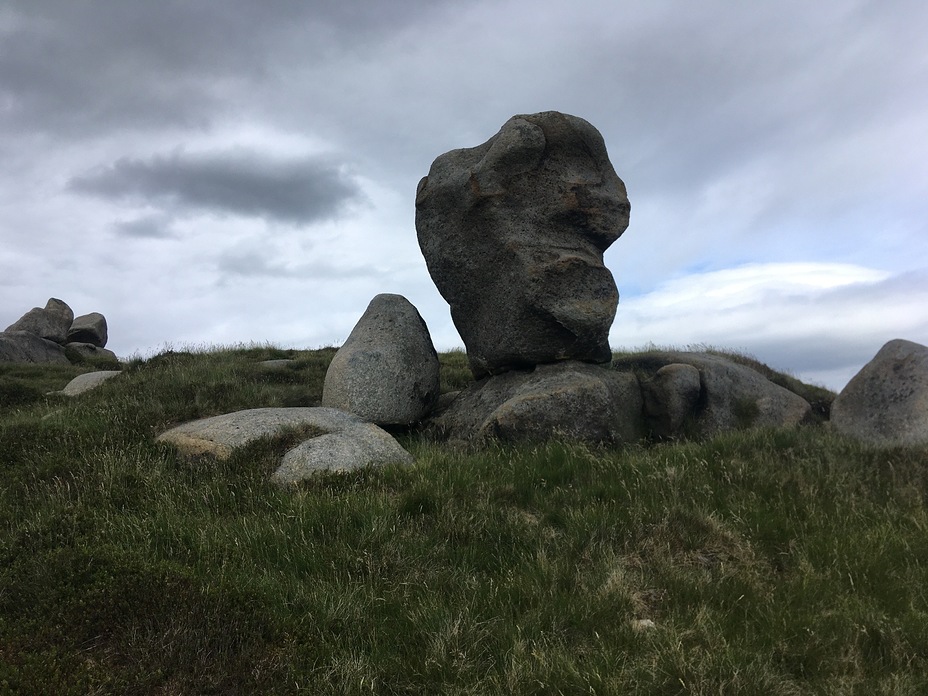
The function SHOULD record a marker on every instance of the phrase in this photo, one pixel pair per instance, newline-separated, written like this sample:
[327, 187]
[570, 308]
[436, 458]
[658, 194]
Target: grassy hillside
[768, 562]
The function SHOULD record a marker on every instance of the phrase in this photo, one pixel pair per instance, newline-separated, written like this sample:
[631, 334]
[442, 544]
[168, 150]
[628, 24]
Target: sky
[207, 173]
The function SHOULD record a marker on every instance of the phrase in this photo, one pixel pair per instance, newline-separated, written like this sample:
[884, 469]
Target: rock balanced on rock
[513, 233]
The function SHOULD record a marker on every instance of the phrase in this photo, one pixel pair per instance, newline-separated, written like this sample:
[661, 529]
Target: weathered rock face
[731, 396]
[513, 232]
[26, 347]
[51, 323]
[387, 370]
[88, 328]
[570, 399]
[886, 403]
[670, 397]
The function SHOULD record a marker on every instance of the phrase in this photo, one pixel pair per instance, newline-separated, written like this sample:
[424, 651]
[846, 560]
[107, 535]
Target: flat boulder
[569, 399]
[513, 233]
[88, 381]
[886, 403]
[387, 372]
[88, 328]
[27, 347]
[51, 323]
[277, 365]
[353, 444]
[731, 396]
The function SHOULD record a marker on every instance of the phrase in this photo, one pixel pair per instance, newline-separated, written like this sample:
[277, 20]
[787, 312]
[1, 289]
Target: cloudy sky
[230, 172]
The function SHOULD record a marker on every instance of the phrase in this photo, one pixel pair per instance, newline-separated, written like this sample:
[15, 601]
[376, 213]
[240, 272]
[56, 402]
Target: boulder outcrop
[51, 323]
[731, 396]
[56, 325]
[886, 403]
[513, 233]
[387, 370]
[569, 399]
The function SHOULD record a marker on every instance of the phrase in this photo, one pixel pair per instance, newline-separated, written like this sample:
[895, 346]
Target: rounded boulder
[886, 403]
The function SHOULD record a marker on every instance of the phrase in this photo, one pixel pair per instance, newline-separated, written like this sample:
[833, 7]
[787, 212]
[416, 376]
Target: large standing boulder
[731, 396]
[568, 399]
[387, 370]
[886, 403]
[513, 233]
[88, 328]
[26, 347]
[51, 323]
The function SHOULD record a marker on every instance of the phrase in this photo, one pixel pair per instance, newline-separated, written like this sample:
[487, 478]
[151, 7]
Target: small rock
[388, 371]
[281, 364]
[89, 328]
[643, 625]
[354, 448]
[886, 403]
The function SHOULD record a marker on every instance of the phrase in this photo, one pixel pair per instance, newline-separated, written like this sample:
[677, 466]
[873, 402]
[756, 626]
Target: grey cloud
[236, 182]
[251, 265]
[90, 67]
[711, 95]
[258, 264]
[148, 227]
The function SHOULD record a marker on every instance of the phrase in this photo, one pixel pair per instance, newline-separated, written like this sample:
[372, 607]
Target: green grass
[771, 562]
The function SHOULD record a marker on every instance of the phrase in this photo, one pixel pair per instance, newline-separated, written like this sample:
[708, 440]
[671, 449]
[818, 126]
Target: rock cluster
[42, 334]
[513, 233]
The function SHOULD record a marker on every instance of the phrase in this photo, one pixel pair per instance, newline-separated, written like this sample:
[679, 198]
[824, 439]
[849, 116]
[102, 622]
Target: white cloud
[819, 321]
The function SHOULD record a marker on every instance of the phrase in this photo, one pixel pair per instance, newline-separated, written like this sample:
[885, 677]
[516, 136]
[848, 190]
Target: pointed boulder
[886, 403]
[387, 371]
[51, 323]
